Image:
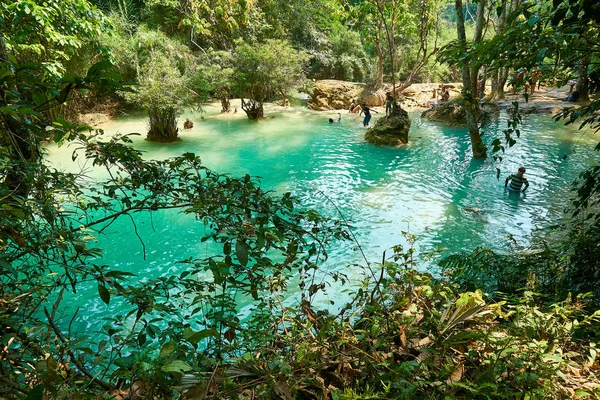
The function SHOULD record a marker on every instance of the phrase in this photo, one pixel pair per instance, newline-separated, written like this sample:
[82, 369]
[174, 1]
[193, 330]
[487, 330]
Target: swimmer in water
[516, 181]
[331, 121]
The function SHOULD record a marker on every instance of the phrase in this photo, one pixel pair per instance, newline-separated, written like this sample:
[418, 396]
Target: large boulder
[448, 112]
[331, 94]
[452, 113]
[391, 130]
[373, 98]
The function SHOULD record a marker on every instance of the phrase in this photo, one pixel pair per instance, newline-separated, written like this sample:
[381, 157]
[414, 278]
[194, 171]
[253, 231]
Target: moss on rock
[448, 112]
[391, 130]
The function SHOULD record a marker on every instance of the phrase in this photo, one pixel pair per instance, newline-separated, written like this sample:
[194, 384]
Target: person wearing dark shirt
[389, 101]
[516, 181]
[367, 112]
[573, 97]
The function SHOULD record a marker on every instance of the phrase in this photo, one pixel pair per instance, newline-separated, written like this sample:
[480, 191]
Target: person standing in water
[516, 181]
[367, 112]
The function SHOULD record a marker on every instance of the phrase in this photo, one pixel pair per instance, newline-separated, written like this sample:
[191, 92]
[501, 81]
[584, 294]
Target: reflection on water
[423, 187]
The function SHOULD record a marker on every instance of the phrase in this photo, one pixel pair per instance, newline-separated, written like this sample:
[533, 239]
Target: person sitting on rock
[444, 94]
[188, 124]
[339, 120]
[573, 97]
[354, 107]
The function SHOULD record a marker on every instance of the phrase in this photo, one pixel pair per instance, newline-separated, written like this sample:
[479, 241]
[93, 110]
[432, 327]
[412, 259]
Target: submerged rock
[391, 130]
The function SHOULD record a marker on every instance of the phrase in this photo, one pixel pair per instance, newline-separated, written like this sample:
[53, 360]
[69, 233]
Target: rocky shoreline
[332, 95]
[328, 95]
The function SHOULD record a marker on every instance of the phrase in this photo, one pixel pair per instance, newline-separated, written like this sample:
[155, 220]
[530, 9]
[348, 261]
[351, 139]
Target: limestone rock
[448, 112]
[374, 98]
[391, 130]
[451, 113]
[331, 94]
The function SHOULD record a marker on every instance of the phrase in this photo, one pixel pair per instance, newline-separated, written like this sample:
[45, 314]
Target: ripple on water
[423, 188]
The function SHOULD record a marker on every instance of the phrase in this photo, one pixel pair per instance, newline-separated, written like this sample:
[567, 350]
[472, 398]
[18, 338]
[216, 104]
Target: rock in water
[474, 210]
[452, 113]
[188, 124]
[449, 112]
[391, 130]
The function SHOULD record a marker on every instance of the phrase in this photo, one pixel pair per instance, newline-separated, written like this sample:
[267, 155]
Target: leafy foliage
[51, 32]
[344, 59]
[265, 69]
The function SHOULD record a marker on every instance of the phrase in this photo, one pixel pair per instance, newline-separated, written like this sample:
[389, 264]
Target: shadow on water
[423, 187]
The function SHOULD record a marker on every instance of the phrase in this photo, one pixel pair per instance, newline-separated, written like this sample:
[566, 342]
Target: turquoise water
[422, 188]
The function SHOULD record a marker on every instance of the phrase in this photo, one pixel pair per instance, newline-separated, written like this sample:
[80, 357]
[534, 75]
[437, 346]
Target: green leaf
[241, 251]
[177, 366]
[195, 337]
[37, 393]
[104, 293]
[167, 349]
[141, 338]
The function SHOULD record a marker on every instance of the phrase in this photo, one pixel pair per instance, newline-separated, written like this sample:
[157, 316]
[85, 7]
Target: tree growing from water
[470, 69]
[215, 78]
[271, 68]
[163, 75]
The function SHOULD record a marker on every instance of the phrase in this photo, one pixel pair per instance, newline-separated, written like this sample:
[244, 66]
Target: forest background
[480, 328]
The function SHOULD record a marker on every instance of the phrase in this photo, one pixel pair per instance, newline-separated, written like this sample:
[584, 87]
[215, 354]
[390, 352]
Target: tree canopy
[488, 325]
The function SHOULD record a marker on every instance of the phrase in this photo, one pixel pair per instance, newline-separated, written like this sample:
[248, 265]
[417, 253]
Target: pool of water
[422, 188]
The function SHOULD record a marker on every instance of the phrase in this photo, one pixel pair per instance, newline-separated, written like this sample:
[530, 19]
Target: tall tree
[265, 69]
[469, 69]
[384, 23]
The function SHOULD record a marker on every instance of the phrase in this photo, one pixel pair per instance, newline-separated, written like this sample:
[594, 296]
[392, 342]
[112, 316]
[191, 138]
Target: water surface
[422, 188]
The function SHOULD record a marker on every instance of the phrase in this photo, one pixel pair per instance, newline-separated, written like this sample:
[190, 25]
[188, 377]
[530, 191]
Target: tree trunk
[225, 105]
[380, 55]
[253, 108]
[498, 84]
[479, 25]
[471, 104]
[501, 74]
[162, 126]
[582, 78]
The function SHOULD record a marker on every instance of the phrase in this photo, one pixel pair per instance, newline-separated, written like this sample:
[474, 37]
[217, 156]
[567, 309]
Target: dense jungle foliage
[522, 325]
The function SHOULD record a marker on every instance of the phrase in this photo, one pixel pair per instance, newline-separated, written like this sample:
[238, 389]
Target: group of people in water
[357, 109]
[361, 108]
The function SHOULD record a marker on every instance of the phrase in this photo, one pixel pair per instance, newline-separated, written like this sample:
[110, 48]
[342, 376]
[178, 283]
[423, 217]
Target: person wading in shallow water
[516, 181]
[367, 112]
